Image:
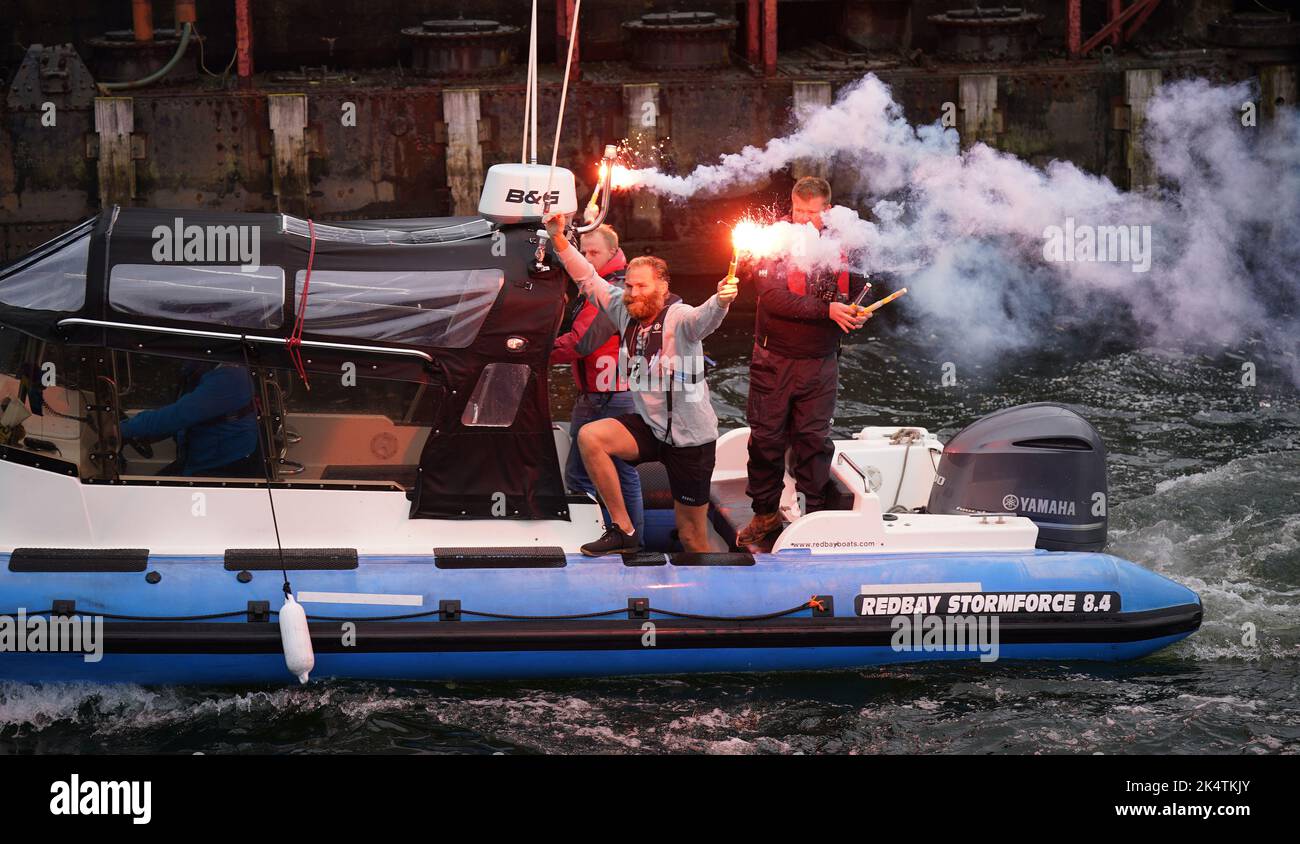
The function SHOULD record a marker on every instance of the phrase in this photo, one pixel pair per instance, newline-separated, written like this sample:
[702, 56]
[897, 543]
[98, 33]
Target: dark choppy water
[1205, 489]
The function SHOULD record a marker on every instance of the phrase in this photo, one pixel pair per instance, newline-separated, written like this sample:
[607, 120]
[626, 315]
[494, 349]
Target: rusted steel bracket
[53, 74]
[1138, 13]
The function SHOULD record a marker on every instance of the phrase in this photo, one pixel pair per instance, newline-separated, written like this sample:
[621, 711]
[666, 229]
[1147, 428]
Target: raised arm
[699, 322]
[605, 296]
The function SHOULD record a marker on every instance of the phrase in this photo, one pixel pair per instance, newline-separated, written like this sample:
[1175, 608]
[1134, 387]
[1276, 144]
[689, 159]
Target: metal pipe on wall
[142, 19]
[1074, 27]
[769, 37]
[186, 31]
[185, 13]
[244, 42]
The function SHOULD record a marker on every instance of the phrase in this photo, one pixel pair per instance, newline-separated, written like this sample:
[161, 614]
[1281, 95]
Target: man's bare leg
[599, 442]
[692, 525]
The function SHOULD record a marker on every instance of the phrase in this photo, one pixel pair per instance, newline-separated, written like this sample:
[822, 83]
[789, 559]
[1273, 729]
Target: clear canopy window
[468, 230]
[213, 294]
[55, 282]
[441, 309]
[495, 400]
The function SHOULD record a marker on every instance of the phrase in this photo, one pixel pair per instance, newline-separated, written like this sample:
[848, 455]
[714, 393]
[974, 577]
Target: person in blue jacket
[214, 423]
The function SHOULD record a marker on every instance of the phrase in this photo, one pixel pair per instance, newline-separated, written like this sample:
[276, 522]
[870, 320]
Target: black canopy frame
[466, 470]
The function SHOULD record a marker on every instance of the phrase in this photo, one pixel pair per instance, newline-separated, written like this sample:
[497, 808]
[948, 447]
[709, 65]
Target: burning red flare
[623, 178]
[752, 238]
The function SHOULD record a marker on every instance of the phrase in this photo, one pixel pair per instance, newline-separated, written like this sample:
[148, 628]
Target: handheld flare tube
[885, 301]
[857, 300]
[597, 209]
[593, 204]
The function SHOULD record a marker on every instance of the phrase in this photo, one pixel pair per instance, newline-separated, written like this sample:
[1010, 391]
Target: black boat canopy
[453, 303]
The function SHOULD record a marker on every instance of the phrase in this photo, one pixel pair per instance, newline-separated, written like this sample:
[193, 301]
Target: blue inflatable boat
[412, 501]
[405, 617]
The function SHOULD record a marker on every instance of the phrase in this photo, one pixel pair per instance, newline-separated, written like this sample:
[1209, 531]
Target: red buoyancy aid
[797, 281]
[586, 370]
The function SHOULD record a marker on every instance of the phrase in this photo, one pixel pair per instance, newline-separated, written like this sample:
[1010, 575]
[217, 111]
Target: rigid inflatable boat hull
[1150, 612]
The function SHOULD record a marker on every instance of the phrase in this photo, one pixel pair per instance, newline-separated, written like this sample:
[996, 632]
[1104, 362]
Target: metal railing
[225, 335]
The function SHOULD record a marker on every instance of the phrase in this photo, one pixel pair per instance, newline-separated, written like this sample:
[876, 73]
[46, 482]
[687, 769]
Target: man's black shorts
[690, 467]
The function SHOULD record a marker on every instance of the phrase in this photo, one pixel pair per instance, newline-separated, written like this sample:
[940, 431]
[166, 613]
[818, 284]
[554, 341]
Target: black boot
[615, 541]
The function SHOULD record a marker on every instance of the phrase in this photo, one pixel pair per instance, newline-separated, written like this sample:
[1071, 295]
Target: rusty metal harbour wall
[419, 144]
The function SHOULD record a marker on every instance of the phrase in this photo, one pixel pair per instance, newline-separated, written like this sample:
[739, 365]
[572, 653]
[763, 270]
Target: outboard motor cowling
[1042, 461]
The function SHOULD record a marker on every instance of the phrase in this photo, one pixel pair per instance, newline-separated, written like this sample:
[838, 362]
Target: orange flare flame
[751, 238]
[622, 178]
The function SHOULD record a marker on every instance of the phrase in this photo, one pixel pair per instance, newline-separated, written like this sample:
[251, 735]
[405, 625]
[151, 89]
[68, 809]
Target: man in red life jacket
[591, 347]
[794, 371]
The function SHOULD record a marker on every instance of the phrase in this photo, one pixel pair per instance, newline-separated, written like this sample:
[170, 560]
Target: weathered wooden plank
[460, 111]
[1277, 86]
[114, 123]
[808, 97]
[977, 102]
[1139, 87]
[641, 107]
[290, 180]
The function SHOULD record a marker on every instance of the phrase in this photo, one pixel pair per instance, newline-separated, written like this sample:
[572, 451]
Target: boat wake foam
[1232, 534]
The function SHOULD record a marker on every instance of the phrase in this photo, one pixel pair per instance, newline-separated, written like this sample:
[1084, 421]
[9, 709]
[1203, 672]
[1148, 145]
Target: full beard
[642, 309]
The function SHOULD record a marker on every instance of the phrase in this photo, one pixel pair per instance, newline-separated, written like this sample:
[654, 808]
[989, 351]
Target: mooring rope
[811, 603]
[564, 92]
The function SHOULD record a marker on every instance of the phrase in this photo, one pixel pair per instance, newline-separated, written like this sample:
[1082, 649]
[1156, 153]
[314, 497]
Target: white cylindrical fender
[295, 637]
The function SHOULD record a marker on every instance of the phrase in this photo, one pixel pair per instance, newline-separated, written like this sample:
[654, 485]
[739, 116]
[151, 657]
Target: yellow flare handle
[885, 301]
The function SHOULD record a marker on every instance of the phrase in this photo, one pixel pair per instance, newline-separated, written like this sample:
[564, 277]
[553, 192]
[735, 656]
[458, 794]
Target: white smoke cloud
[967, 230]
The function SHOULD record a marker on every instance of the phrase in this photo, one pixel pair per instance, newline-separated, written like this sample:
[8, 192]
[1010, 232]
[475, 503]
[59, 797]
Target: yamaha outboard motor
[1042, 461]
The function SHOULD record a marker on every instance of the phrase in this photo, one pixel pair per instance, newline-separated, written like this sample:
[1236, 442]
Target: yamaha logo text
[1038, 506]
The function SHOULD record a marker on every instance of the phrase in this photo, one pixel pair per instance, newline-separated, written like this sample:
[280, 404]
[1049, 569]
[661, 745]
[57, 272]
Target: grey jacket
[685, 327]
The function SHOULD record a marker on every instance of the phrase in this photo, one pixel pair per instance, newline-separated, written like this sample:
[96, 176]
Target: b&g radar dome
[514, 193]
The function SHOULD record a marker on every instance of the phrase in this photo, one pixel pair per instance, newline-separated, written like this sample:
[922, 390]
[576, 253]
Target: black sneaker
[615, 541]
